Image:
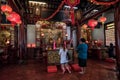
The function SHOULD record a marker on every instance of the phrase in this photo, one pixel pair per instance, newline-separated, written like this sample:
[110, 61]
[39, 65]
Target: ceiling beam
[94, 15]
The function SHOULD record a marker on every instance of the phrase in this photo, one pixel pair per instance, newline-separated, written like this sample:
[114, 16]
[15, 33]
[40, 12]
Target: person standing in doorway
[82, 50]
[63, 59]
[111, 51]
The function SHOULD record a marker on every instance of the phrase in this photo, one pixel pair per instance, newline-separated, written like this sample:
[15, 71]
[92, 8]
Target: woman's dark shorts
[82, 62]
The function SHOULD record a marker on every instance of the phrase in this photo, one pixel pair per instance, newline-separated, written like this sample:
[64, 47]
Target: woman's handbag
[68, 56]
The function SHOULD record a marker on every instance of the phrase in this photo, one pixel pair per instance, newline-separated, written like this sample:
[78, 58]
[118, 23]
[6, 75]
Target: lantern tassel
[72, 16]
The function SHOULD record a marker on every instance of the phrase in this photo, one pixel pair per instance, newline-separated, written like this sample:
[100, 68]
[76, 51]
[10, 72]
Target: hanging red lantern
[102, 19]
[6, 8]
[92, 23]
[18, 21]
[13, 17]
[72, 3]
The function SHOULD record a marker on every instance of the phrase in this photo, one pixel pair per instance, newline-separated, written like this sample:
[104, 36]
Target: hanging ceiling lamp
[6, 8]
[104, 2]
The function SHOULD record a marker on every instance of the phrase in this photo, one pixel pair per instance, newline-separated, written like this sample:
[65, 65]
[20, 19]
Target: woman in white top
[63, 59]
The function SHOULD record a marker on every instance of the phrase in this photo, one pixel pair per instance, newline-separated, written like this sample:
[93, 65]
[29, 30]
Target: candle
[54, 45]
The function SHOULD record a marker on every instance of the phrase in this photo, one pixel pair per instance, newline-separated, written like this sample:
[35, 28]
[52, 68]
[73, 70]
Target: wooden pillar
[21, 42]
[0, 15]
[117, 36]
[78, 32]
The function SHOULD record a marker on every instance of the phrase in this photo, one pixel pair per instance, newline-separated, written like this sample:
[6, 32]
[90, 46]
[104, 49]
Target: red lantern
[72, 3]
[18, 21]
[6, 8]
[13, 17]
[102, 19]
[92, 23]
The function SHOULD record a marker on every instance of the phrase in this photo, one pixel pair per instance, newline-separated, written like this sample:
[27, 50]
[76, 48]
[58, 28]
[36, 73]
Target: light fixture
[66, 35]
[28, 45]
[70, 7]
[95, 10]
[42, 34]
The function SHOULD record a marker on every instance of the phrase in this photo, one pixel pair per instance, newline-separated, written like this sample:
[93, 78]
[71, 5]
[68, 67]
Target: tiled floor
[35, 70]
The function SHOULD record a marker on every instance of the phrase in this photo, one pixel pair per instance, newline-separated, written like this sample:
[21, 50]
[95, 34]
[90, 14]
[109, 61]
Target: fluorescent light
[95, 10]
[70, 7]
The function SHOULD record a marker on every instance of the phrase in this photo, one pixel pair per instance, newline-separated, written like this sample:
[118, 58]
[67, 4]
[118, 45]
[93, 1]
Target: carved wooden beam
[92, 8]
[94, 15]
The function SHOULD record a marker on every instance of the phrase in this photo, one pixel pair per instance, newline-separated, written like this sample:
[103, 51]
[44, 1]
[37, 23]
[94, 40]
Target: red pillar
[78, 32]
[117, 36]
